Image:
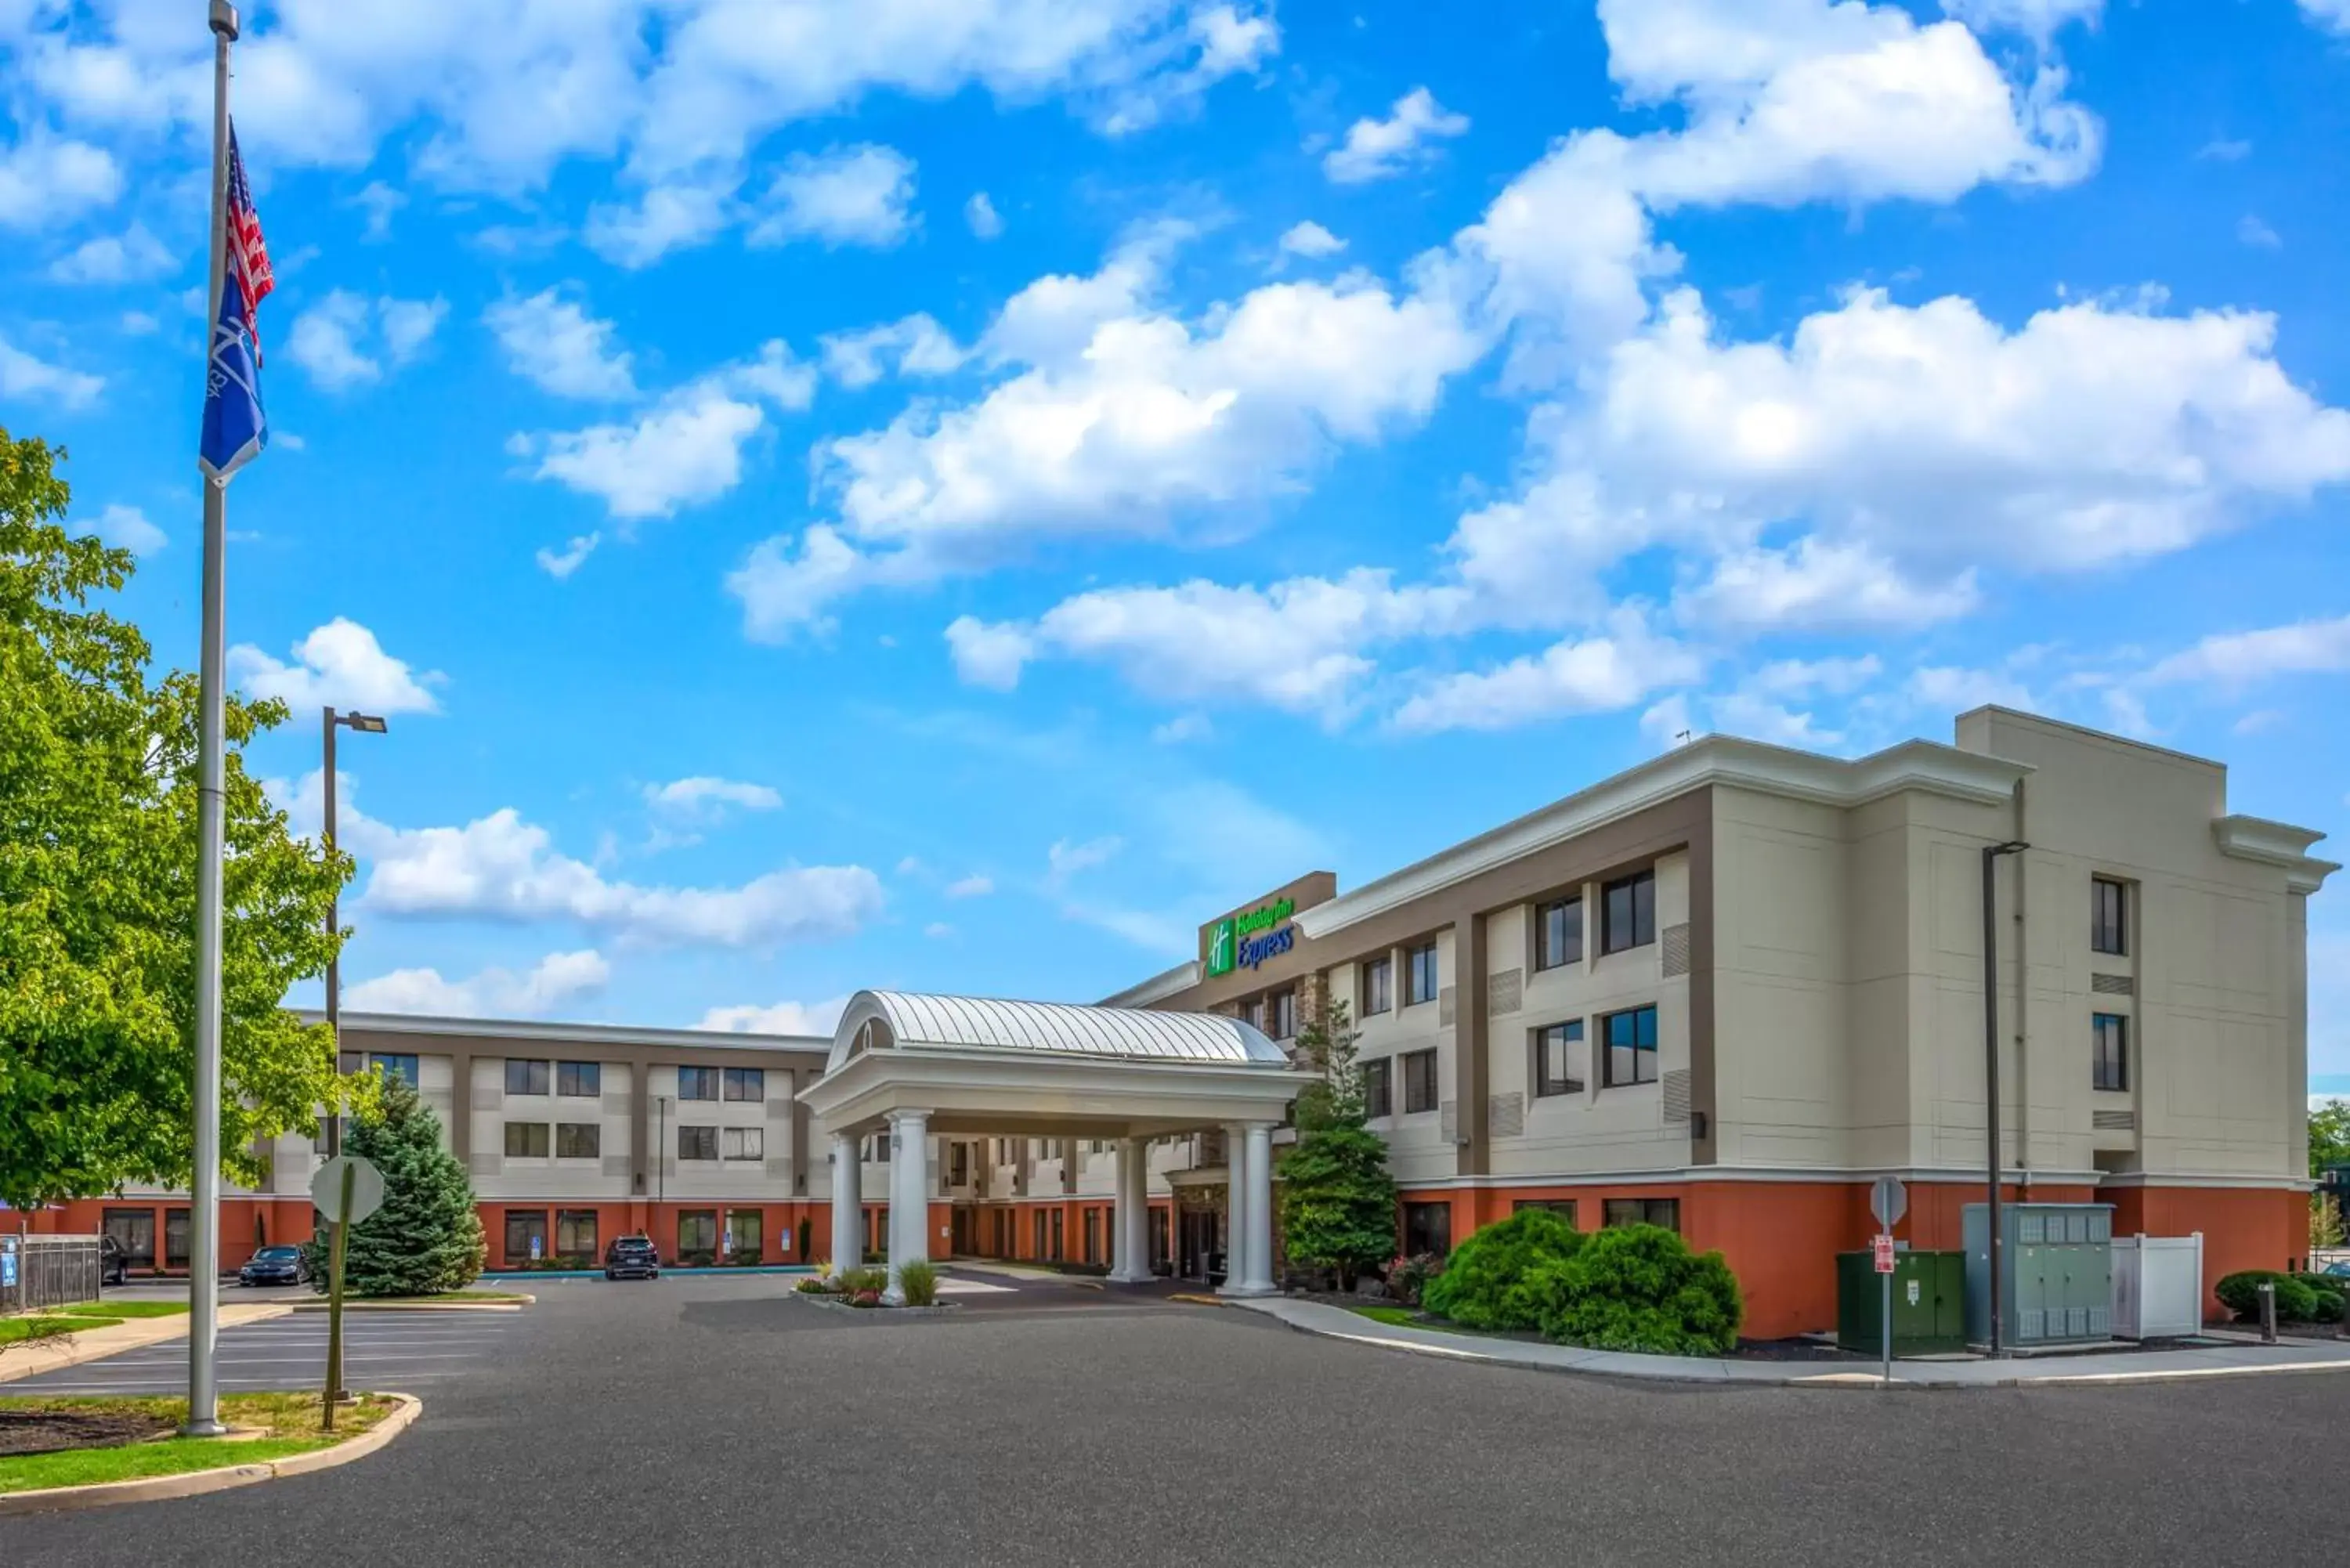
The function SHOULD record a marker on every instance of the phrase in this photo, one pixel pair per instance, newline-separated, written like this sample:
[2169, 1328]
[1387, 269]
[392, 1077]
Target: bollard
[2268, 1313]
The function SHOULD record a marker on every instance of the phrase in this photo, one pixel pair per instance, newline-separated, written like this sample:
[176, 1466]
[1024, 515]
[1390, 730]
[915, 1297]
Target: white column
[1256, 1247]
[1129, 1242]
[1237, 1190]
[910, 1198]
[848, 1203]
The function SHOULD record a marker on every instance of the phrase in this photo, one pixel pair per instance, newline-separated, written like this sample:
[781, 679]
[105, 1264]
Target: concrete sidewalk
[133, 1333]
[2119, 1366]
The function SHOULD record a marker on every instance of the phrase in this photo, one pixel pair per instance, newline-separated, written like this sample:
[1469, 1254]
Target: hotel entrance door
[1200, 1248]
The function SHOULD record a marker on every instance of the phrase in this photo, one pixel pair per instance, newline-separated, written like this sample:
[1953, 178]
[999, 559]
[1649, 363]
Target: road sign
[1889, 1200]
[8, 1262]
[1884, 1248]
[367, 1188]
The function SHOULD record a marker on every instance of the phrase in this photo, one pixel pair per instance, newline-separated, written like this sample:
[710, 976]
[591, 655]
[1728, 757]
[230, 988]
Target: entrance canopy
[977, 1067]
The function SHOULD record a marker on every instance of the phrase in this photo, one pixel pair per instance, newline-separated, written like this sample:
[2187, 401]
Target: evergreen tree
[1337, 1199]
[427, 1237]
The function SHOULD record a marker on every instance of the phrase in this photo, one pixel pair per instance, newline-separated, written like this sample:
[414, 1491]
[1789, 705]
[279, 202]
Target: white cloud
[46, 181]
[126, 528]
[134, 256]
[1820, 587]
[971, 888]
[2251, 231]
[914, 346]
[979, 214]
[1595, 674]
[140, 322]
[2039, 19]
[843, 196]
[2237, 659]
[555, 982]
[1310, 239]
[989, 656]
[380, 202]
[1182, 728]
[346, 339]
[667, 217]
[2334, 15]
[802, 1018]
[704, 798]
[1377, 148]
[340, 665]
[1950, 688]
[553, 341]
[31, 378]
[560, 563]
[1065, 859]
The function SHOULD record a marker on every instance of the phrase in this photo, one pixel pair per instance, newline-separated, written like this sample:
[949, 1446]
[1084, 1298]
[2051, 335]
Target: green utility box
[1929, 1304]
[2056, 1273]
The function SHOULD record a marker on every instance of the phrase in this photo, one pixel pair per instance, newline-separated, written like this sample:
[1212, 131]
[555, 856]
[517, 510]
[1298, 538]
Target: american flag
[248, 253]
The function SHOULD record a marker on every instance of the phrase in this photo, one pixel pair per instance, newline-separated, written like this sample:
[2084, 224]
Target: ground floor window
[1562, 1207]
[1060, 1226]
[574, 1235]
[877, 1226]
[1040, 1253]
[1419, 1081]
[697, 1235]
[1093, 1236]
[1663, 1211]
[175, 1239]
[743, 1235]
[525, 1234]
[1427, 1227]
[133, 1230]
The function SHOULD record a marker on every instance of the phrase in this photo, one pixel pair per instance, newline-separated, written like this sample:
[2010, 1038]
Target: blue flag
[235, 428]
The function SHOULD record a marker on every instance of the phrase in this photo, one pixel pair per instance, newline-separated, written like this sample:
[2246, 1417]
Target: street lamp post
[365, 724]
[1990, 857]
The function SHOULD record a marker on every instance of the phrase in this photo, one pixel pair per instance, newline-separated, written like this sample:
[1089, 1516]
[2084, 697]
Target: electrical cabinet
[2056, 1273]
[1929, 1303]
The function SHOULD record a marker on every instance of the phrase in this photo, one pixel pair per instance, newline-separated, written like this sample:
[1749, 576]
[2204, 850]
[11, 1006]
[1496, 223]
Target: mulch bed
[47, 1431]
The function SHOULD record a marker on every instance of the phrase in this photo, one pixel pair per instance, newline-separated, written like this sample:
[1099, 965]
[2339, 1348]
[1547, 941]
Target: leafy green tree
[427, 1237]
[98, 887]
[1337, 1199]
[2329, 1136]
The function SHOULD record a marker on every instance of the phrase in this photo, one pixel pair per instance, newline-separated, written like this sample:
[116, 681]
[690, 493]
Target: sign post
[346, 1189]
[1889, 1200]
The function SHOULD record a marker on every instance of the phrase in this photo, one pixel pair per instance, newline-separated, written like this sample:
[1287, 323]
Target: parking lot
[409, 1351]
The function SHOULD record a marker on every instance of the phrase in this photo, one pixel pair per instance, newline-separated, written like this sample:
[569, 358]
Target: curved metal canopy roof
[985, 1023]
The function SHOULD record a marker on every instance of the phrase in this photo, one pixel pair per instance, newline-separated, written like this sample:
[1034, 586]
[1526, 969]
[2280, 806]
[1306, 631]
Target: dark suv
[632, 1258]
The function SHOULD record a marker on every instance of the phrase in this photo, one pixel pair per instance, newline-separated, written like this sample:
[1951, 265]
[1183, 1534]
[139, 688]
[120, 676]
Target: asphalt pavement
[380, 1350]
[719, 1420]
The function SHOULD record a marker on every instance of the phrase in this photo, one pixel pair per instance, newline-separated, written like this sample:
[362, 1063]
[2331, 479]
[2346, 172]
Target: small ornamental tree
[427, 1237]
[1337, 1199]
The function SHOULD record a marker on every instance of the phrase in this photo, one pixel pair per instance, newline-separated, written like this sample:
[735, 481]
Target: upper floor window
[1253, 1014]
[1378, 985]
[577, 1140]
[746, 1082]
[697, 1083]
[577, 1078]
[1629, 912]
[745, 1143]
[2108, 922]
[527, 1077]
[697, 1143]
[876, 1149]
[1631, 1041]
[1558, 933]
[526, 1140]
[1419, 1082]
[1284, 1009]
[1379, 1088]
[1419, 974]
[2110, 1035]
[396, 1066]
[1558, 1059]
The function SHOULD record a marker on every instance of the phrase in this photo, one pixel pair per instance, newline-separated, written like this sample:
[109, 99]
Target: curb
[195, 1483]
[817, 1299]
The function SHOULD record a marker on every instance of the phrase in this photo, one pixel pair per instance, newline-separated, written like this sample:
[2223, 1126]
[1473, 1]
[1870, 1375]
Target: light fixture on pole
[1991, 858]
[365, 724]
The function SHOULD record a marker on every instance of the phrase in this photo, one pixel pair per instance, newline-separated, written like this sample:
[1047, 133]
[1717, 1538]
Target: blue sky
[950, 492]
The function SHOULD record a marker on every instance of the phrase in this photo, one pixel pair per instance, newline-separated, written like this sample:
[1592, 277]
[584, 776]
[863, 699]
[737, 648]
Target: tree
[98, 887]
[1337, 1199]
[2329, 1136]
[427, 1237]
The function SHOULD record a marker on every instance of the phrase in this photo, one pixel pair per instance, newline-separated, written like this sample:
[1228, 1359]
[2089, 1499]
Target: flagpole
[211, 773]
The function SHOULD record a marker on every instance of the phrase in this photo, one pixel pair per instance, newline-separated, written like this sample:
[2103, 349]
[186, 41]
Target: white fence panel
[2158, 1286]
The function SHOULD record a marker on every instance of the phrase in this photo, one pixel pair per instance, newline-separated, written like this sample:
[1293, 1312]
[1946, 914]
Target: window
[1427, 1227]
[1419, 974]
[1661, 1211]
[1252, 1012]
[1420, 1081]
[1629, 913]
[958, 1164]
[577, 1140]
[1378, 986]
[697, 1143]
[525, 1234]
[1379, 1088]
[2111, 1032]
[1631, 1041]
[1039, 1229]
[697, 1232]
[746, 1082]
[697, 1083]
[2108, 922]
[578, 1078]
[1060, 1234]
[742, 1232]
[175, 1238]
[746, 1143]
[1558, 1059]
[1558, 933]
[396, 1066]
[1092, 1253]
[1562, 1207]
[527, 1077]
[526, 1140]
[876, 1149]
[1284, 1015]
[574, 1235]
[133, 1230]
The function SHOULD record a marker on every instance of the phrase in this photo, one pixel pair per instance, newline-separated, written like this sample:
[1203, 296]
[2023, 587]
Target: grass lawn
[1393, 1316]
[290, 1420]
[119, 1309]
[82, 1316]
[13, 1329]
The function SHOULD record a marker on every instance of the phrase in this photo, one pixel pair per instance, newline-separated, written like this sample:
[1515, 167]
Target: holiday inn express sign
[1247, 939]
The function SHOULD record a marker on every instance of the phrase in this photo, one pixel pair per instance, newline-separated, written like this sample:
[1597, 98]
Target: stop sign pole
[346, 1189]
[1889, 1200]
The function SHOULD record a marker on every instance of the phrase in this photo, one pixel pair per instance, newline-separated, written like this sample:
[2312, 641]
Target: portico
[914, 1067]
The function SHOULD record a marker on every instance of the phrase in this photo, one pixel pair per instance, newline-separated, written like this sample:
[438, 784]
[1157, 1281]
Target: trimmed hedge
[1483, 1284]
[2296, 1301]
[2333, 1294]
[1640, 1288]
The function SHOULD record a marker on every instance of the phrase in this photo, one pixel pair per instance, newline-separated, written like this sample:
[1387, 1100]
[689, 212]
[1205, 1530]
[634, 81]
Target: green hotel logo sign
[1234, 942]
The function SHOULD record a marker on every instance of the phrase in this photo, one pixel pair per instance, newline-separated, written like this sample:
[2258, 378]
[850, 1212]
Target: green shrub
[1640, 1288]
[920, 1281]
[2329, 1290]
[2240, 1293]
[1407, 1278]
[1483, 1283]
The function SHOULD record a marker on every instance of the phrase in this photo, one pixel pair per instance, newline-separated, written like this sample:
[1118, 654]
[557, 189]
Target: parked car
[275, 1266]
[632, 1258]
[113, 1268]
[2339, 1269]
